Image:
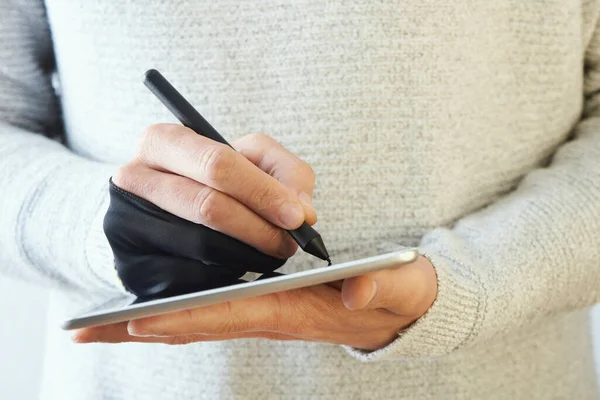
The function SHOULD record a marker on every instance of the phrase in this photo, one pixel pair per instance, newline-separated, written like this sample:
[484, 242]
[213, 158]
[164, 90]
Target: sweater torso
[412, 115]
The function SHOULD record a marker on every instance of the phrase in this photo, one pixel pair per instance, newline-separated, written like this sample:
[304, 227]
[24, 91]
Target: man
[468, 129]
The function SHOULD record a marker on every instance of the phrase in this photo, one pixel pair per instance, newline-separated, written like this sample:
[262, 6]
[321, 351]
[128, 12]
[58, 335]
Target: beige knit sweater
[468, 127]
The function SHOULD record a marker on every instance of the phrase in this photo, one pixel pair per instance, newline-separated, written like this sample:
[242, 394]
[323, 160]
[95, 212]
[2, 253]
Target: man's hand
[252, 194]
[367, 314]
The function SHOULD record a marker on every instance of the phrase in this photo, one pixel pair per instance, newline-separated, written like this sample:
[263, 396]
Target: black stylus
[307, 238]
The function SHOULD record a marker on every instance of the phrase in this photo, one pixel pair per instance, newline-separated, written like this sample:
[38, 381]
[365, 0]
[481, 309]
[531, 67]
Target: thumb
[408, 290]
[274, 159]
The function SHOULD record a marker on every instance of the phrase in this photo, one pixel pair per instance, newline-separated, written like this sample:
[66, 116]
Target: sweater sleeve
[532, 254]
[51, 200]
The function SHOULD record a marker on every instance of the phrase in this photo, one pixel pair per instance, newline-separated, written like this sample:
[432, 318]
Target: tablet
[126, 308]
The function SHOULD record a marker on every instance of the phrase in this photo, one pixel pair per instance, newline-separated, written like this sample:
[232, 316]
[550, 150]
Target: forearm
[533, 254]
[51, 201]
[536, 252]
[52, 207]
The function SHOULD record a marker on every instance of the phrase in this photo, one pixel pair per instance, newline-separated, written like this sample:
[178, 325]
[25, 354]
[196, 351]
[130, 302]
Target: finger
[113, 333]
[180, 150]
[301, 312]
[185, 339]
[308, 314]
[204, 205]
[408, 290]
[117, 333]
[263, 313]
[283, 165]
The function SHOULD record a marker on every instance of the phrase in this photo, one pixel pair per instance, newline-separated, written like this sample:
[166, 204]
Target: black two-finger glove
[158, 254]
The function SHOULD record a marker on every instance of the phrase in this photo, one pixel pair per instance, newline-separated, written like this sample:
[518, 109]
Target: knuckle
[231, 321]
[123, 176]
[309, 171]
[264, 197]
[205, 206]
[303, 169]
[279, 321]
[225, 326]
[154, 137]
[260, 138]
[216, 163]
[148, 139]
[128, 177]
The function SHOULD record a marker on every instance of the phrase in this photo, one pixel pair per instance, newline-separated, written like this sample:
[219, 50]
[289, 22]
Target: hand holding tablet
[367, 312]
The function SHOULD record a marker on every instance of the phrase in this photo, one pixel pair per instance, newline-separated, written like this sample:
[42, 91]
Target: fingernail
[306, 199]
[373, 292]
[291, 215]
[131, 329]
[76, 338]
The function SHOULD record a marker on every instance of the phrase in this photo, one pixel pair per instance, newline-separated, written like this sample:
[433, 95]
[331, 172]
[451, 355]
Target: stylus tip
[329, 262]
[317, 248]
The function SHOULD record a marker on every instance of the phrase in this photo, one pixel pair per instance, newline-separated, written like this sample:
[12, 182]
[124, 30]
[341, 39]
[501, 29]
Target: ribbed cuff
[453, 319]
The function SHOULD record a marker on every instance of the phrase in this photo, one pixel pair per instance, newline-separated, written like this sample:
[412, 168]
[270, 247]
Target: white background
[22, 339]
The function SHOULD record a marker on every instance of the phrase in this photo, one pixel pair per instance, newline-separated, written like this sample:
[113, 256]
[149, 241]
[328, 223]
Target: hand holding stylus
[253, 194]
[309, 240]
[192, 212]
